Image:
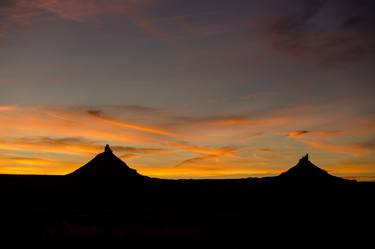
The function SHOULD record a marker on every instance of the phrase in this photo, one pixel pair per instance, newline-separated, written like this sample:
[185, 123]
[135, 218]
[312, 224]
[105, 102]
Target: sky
[188, 88]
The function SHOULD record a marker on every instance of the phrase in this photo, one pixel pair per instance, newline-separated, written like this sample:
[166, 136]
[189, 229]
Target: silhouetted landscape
[231, 123]
[107, 200]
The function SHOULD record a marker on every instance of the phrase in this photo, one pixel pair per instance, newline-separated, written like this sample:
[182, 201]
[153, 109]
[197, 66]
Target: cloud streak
[99, 115]
[22, 12]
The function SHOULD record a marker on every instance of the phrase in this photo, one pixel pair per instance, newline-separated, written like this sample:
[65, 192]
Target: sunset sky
[188, 88]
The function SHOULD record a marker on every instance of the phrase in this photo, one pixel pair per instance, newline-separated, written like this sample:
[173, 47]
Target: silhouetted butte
[307, 172]
[106, 165]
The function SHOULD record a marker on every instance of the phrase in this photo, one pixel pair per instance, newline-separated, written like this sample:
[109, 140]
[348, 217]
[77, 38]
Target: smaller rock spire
[304, 160]
[107, 149]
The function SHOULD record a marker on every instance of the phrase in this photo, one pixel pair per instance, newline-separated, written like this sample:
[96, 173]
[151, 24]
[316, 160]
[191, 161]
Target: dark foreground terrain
[106, 200]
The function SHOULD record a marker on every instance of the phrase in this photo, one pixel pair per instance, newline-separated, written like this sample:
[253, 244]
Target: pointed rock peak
[107, 149]
[106, 165]
[307, 172]
[304, 159]
[305, 169]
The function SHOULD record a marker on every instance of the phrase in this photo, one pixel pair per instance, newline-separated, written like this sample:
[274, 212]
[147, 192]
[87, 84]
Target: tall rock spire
[107, 149]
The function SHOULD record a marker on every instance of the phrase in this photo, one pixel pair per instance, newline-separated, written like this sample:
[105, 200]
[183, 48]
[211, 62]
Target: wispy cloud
[294, 134]
[112, 121]
[22, 12]
[321, 133]
[206, 153]
[7, 108]
[323, 31]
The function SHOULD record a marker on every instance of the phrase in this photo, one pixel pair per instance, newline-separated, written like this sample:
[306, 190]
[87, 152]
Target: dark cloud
[100, 110]
[324, 31]
[95, 112]
[6, 3]
[370, 145]
[295, 23]
[137, 108]
[294, 134]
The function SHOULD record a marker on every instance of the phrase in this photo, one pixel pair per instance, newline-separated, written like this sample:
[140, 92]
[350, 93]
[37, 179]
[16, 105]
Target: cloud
[120, 123]
[23, 12]
[58, 122]
[128, 110]
[95, 112]
[335, 141]
[315, 134]
[137, 108]
[202, 160]
[294, 134]
[30, 161]
[65, 146]
[264, 150]
[323, 31]
[207, 154]
[229, 121]
[7, 108]
[213, 151]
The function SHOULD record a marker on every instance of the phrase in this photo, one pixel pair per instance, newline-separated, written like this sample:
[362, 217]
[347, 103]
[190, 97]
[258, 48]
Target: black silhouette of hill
[106, 165]
[307, 172]
[305, 201]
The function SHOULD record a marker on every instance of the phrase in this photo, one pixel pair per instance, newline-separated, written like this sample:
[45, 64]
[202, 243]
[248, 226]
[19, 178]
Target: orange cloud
[7, 108]
[264, 150]
[137, 127]
[71, 146]
[47, 122]
[231, 121]
[295, 134]
[214, 151]
[63, 149]
[323, 134]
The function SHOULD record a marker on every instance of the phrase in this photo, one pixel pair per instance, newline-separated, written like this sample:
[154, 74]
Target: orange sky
[48, 140]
